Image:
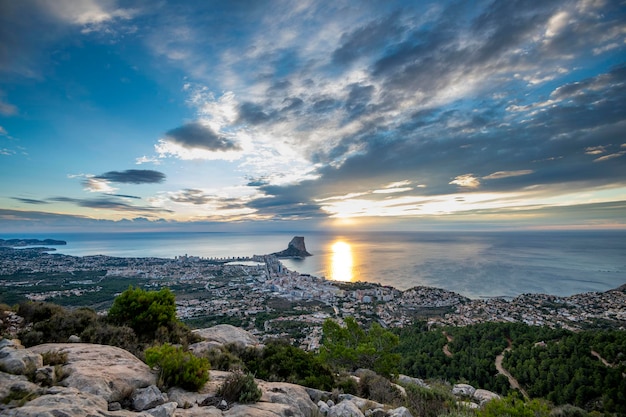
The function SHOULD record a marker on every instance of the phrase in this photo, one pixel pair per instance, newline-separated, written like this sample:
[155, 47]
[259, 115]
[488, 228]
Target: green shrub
[429, 402]
[377, 388]
[241, 388]
[513, 406]
[281, 362]
[144, 311]
[178, 368]
[104, 333]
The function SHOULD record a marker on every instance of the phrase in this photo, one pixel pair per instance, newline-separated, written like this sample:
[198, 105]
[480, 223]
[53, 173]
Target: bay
[475, 264]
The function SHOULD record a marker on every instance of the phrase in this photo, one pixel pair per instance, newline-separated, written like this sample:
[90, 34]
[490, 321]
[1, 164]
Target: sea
[474, 264]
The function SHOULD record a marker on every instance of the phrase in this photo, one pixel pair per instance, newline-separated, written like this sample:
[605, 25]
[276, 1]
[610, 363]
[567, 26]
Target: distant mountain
[30, 242]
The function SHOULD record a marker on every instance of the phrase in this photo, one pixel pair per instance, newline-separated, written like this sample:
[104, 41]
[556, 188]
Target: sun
[341, 262]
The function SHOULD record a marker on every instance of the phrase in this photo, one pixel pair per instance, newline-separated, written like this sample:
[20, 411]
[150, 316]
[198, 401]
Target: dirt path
[512, 381]
[605, 362]
[446, 350]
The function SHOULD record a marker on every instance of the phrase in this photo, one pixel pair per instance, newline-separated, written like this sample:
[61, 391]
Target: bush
[241, 388]
[178, 368]
[281, 362]
[144, 311]
[103, 333]
[377, 388]
[514, 406]
[429, 402]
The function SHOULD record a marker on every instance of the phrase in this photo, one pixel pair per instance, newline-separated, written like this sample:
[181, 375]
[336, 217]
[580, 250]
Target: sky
[287, 115]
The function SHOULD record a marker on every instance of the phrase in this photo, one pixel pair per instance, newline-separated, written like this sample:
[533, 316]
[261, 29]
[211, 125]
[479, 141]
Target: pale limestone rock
[185, 399]
[483, 396]
[323, 408]
[66, 403]
[163, 410]
[225, 334]
[361, 403]
[202, 348]
[345, 409]
[107, 371]
[199, 412]
[74, 339]
[147, 398]
[463, 390]
[407, 380]
[400, 412]
[262, 410]
[295, 396]
[46, 375]
[12, 384]
[14, 359]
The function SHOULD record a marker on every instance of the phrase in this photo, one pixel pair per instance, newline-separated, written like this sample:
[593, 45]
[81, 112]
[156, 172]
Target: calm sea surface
[473, 264]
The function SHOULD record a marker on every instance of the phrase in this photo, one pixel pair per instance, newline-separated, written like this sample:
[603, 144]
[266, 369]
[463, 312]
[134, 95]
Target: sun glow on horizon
[341, 262]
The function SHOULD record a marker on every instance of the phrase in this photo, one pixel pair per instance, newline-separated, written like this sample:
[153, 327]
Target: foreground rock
[106, 371]
[223, 334]
[14, 359]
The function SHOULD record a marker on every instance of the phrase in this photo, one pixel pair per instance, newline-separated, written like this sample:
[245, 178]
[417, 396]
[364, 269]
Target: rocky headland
[17, 243]
[295, 249]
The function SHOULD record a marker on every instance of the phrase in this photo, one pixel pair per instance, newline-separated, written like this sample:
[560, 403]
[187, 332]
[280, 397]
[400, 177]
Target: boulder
[400, 412]
[66, 402]
[202, 348]
[107, 371]
[185, 399]
[408, 380]
[199, 412]
[46, 376]
[483, 396]
[361, 403]
[463, 390]
[15, 386]
[74, 339]
[225, 334]
[323, 408]
[164, 410]
[294, 396]
[261, 410]
[14, 359]
[147, 398]
[345, 409]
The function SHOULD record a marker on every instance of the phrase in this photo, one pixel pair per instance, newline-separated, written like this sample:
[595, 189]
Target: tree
[351, 347]
[144, 311]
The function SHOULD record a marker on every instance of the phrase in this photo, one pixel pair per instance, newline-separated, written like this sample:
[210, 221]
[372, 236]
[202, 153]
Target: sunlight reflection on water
[341, 262]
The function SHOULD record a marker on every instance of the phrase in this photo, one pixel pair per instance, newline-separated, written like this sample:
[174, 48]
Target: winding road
[512, 381]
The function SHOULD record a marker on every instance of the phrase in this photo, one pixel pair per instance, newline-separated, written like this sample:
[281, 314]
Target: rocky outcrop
[295, 249]
[105, 371]
[107, 381]
[14, 359]
[223, 334]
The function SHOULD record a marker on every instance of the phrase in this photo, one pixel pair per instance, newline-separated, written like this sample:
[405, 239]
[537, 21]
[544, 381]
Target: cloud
[30, 200]
[195, 135]
[466, 181]
[132, 176]
[111, 204]
[97, 185]
[507, 174]
[192, 196]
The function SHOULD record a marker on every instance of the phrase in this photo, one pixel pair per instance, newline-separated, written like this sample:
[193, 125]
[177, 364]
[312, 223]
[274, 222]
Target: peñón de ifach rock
[295, 249]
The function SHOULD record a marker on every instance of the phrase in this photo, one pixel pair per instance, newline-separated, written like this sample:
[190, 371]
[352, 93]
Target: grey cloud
[196, 135]
[367, 39]
[126, 196]
[111, 204]
[252, 113]
[292, 103]
[30, 200]
[133, 176]
[192, 196]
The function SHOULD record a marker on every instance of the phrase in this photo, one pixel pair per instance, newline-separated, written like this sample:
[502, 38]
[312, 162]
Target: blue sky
[213, 115]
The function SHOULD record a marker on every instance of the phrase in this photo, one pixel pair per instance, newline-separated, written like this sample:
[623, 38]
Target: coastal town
[260, 294]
